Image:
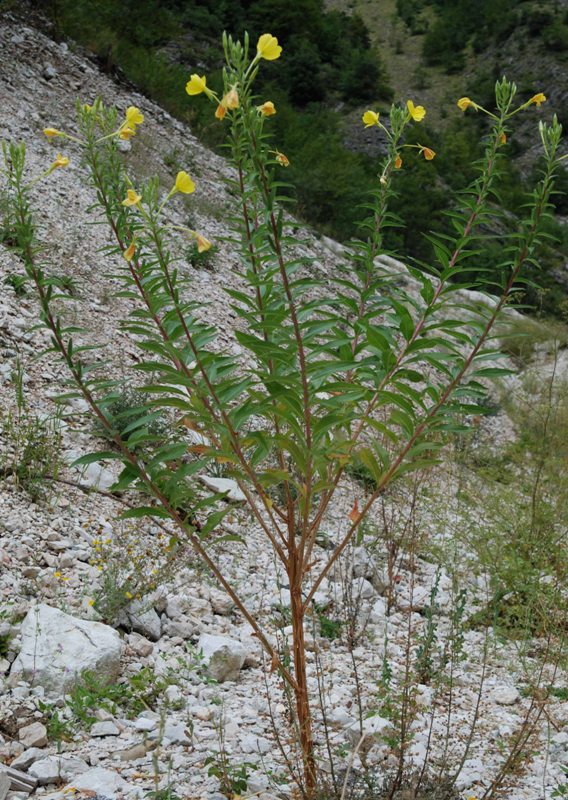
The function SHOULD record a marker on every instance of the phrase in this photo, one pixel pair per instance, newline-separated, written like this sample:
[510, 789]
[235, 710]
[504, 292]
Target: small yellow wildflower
[60, 161]
[221, 111]
[128, 254]
[503, 138]
[538, 99]
[428, 154]
[464, 103]
[51, 132]
[56, 574]
[267, 47]
[203, 244]
[267, 109]
[184, 184]
[416, 112]
[196, 84]
[398, 161]
[132, 198]
[370, 118]
[88, 108]
[91, 602]
[231, 99]
[282, 159]
[134, 116]
[127, 132]
[128, 595]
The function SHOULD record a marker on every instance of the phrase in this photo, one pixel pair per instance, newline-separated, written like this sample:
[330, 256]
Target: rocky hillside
[186, 679]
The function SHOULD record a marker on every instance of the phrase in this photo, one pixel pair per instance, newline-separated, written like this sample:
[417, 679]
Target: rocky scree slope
[56, 553]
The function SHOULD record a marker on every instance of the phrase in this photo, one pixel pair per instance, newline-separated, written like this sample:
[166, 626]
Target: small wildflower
[538, 99]
[464, 103]
[398, 161]
[354, 513]
[370, 118]
[231, 99]
[184, 184]
[134, 116]
[416, 112]
[503, 138]
[428, 154]
[132, 198]
[267, 47]
[60, 161]
[56, 574]
[91, 602]
[88, 108]
[203, 244]
[127, 132]
[267, 109]
[51, 132]
[196, 84]
[282, 159]
[128, 595]
[221, 111]
[128, 254]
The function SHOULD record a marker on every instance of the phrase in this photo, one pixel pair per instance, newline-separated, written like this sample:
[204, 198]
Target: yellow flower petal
[428, 154]
[503, 138]
[132, 198]
[127, 132]
[267, 47]
[267, 109]
[203, 244]
[51, 132]
[416, 112]
[60, 161]
[538, 99]
[128, 254]
[370, 118]
[398, 162]
[282, 159]
[134, 116]
[464, 103]
[196, 84]
[184, 184]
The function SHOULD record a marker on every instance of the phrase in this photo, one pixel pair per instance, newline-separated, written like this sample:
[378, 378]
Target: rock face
[57, 647]
[224, 657]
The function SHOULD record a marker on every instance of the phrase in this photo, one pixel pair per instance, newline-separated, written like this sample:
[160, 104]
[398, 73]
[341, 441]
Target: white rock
[378, 612]
[27, 758]
[142, 618]
[223, 657]
[224, 485]
[255, 744]
[106, 728]
[105, 783]
[176, 733]
[57, 647]
[54, 769]
[506, 695]
[473, 771]
[361, 588]
[373, 727]
[34, 735]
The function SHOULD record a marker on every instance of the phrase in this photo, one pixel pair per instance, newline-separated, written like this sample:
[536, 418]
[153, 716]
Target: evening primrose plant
[350, 369]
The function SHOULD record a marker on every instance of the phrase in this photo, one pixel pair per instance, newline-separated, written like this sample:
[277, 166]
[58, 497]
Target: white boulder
[223, 657]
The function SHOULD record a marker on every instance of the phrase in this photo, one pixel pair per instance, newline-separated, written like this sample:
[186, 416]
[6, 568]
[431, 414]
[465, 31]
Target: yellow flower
[464, 103]
[88, 108]
[60, 161]
[196, 84]
[127, 132]
[91, 602]
[132, 198]
[398, 161]
[503, 138]
[282, 159]
[416, 112]
[538, 99]
[231, 99]
[134, 116]
[56, 574]
[267, 109]
[221, 111]
[51, 132]
[128, 255]
[428, 154]
[184, 184]
[128, 595]
[203, 244]
[370, 118]
[267, 47]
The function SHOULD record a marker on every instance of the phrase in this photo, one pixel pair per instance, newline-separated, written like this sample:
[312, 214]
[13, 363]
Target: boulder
[34, 735]
[55, 769]
[99, 782]
[223, 657]
[57, 648]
